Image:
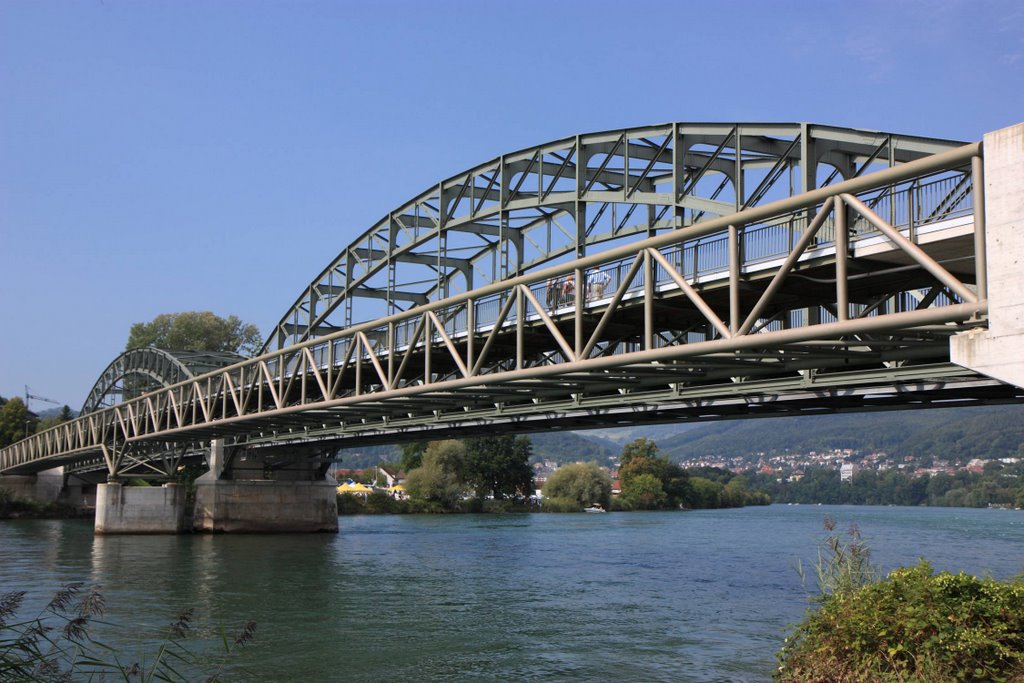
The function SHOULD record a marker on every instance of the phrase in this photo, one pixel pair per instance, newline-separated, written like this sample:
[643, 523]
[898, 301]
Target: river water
[660, 596]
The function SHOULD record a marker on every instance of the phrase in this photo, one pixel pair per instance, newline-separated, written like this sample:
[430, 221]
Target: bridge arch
[575, 196]
[137, 371]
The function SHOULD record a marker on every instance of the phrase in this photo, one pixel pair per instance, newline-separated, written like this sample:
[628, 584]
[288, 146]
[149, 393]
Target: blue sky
[184, 155]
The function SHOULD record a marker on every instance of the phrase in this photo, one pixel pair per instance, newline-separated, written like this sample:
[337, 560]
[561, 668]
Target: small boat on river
[594, 508]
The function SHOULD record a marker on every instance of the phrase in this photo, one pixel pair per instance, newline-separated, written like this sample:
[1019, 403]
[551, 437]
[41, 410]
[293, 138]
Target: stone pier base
[140, 509]
[243, 506]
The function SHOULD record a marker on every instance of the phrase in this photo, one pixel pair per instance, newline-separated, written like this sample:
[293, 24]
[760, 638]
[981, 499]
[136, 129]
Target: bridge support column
[997, 351]
[140, 509]
[238, 498]
[47, 486]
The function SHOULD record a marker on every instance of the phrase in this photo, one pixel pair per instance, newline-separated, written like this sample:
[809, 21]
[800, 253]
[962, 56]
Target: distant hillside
[368, 456]
[558, 446]
[53, 412]
[572, 446]
[983, 432]
[623, 435]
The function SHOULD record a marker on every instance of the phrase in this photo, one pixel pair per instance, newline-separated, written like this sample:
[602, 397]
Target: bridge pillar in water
[237, 497]
[999, 351]
[141, 509]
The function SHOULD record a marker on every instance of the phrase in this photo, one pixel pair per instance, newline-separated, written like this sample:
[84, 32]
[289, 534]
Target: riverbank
[13, 507]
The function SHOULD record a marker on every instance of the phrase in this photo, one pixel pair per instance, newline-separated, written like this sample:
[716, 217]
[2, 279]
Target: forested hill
[566, 447]
[562, 447]
[983, 432]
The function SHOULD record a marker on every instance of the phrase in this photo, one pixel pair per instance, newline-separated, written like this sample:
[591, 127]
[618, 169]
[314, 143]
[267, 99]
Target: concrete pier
[242, 493]
[997, 351]
[141, 509]
[231, 506]
[260, 493]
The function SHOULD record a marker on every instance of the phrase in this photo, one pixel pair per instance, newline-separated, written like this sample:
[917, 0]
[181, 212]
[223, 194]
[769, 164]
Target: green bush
[379, 503]
[913, 626]
[350, 504]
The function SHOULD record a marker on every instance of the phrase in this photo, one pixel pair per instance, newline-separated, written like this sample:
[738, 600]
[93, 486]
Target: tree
[583, 483]
[440, 478]
[638, 448]
[16, 422]
[644, 492]
[640, 459]
[65, 415]
[412, 454]
[196, 331]
[706, 493]
[499, 466]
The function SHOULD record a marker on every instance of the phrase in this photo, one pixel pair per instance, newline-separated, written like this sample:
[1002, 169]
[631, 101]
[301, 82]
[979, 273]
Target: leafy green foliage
[637, 449]
[644, 492]
[914, 625]
[15, 421]
[582, 483]
[412, 454]
[642, 467]
[499, 466]
[196, 331]
[440, 479]
[58, 644]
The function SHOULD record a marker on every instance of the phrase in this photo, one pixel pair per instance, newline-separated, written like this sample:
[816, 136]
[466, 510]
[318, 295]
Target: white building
[846, 471]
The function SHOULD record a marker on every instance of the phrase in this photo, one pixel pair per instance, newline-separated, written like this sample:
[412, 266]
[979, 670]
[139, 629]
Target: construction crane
[29, 396]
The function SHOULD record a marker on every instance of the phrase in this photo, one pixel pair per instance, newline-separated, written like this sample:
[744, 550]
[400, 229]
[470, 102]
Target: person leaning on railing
[597, 282]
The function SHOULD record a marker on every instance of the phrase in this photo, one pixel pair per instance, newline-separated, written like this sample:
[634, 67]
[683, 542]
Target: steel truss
[843, 297]
[138, 371]
[574, 197]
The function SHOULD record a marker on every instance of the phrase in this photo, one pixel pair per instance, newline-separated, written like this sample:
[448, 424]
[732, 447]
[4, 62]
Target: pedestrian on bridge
[597, 282]
[568, 289]
[552, 291]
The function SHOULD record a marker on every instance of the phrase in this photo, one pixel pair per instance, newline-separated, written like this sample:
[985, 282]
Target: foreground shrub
[58, 645]
[912, 626]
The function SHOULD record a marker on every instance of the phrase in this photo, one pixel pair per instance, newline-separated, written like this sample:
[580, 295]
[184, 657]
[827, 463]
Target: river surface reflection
[672, 596]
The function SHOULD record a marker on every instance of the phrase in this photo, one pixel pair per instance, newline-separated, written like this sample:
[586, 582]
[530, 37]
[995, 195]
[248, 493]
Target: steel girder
[858, 285]
[573, 197]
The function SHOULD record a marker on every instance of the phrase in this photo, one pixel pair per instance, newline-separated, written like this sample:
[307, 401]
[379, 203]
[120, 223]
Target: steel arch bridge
[572, 197]
[680, 271]
[138, 371]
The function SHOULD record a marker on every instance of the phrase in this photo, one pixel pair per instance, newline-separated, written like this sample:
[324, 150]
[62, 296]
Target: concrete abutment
[999, 351]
